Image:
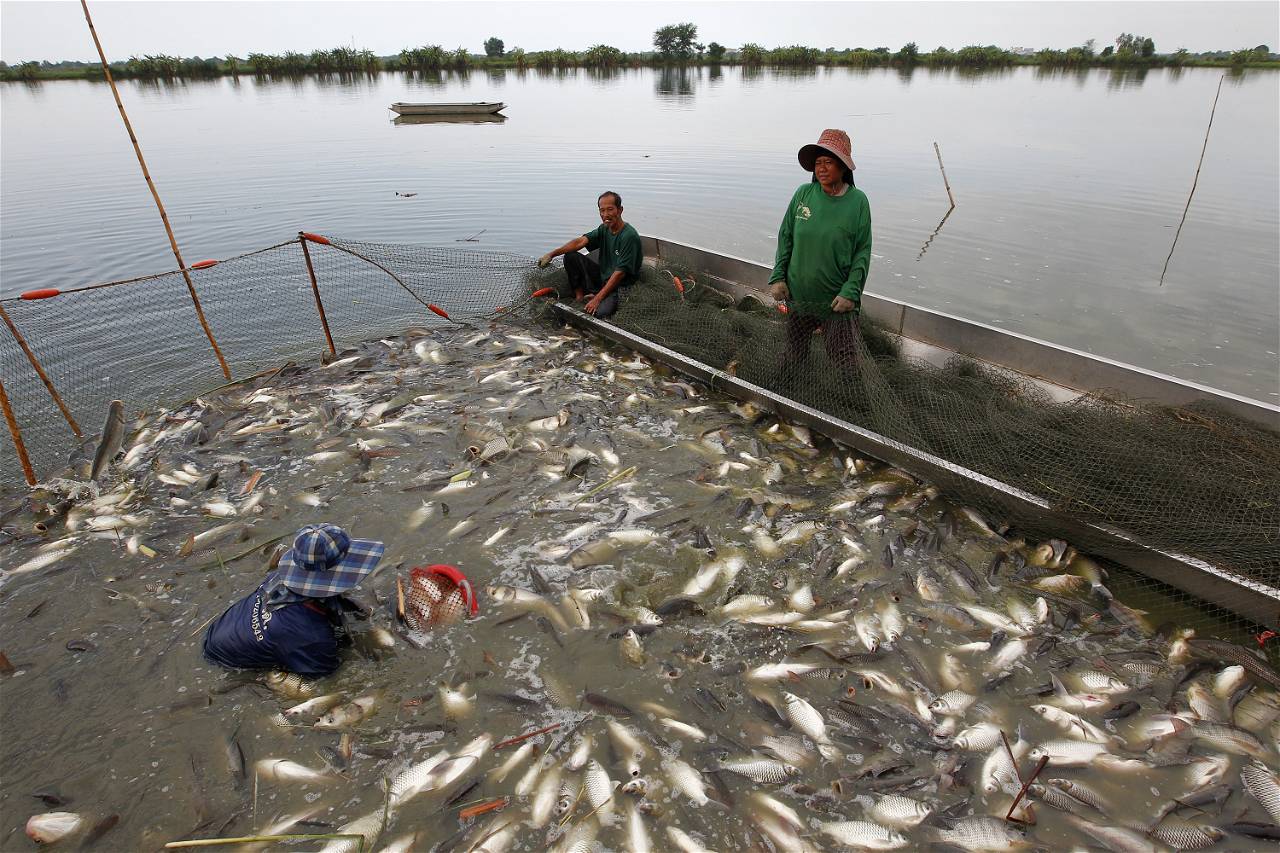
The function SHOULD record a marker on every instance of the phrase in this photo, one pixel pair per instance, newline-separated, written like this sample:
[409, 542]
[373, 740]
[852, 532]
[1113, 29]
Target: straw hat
[833, 142]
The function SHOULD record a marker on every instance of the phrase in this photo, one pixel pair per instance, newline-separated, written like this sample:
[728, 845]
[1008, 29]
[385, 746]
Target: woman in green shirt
[824, 250]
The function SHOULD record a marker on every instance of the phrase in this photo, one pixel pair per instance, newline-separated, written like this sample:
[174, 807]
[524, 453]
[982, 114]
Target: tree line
[672, 44]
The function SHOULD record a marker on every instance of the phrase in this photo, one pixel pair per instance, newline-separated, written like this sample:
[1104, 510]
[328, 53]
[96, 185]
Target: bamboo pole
[945, 182]
[16, 433]
[164, 217]
[44, 377]
[315, 290]
[1194, 181]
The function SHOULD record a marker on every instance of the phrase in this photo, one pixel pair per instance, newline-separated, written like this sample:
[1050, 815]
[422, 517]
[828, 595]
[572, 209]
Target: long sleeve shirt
[301, 637]
[824, 248]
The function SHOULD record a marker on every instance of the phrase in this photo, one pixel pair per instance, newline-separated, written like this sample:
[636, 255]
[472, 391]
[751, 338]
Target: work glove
[544, 261]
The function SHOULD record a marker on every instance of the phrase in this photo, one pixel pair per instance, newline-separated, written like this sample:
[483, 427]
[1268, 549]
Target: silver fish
[112, 438]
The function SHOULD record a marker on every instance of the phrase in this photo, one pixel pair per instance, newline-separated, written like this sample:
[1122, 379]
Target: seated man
[620, 259]
[293, 621]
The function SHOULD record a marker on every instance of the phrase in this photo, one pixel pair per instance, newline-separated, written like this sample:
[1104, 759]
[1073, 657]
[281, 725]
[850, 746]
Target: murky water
[1068, 186]
[112, 708]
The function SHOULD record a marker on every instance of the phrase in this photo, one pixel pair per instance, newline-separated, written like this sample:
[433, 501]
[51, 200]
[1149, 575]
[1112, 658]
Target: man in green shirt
[620, 259]
[824, 251]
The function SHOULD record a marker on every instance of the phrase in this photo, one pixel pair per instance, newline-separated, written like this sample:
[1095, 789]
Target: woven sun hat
[324, 561]
[833, 142]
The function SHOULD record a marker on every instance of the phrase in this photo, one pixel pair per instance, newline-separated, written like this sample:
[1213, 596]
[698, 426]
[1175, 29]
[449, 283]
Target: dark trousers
[840, 336]
[584, 278]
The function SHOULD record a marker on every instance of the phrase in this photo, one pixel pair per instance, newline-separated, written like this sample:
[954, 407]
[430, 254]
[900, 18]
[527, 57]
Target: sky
[39, 29]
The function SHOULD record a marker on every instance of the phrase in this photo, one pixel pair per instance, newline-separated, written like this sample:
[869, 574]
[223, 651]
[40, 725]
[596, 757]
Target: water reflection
[715, 73]
[495, 118]
[1127, 77]
[497, 76]
[675, 83]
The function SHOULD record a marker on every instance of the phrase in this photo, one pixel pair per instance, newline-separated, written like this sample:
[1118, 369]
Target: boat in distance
[477, 108]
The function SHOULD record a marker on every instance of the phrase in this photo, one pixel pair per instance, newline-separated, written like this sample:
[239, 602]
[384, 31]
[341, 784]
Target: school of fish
[701, 628]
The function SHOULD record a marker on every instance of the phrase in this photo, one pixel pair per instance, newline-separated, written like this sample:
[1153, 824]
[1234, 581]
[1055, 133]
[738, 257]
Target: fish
[981, 833]
[1264, 786]
[1114, 837]
[368, 828]
[110, 443]
[899, 812]
[51, 827]
[762, 771]
[864, 835]
[806, 720]
[289, 684]
[285, 770]
[685, 779]
[599, 790]
[347, 715]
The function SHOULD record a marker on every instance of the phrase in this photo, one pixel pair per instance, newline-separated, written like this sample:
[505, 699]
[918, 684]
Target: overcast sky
[56, 30]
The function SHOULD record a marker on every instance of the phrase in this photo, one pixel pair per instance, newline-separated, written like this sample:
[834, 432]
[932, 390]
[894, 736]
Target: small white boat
[478, 108]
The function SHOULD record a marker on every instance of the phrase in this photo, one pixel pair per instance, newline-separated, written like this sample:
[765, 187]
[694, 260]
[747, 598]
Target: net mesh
[1191, 480]
[432, 600]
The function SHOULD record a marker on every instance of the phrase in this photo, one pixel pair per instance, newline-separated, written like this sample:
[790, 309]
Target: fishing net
[1190, 480]
[436, 596]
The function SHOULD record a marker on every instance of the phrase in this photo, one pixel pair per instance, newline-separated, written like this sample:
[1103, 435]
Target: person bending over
[600, 284]
[294, 620]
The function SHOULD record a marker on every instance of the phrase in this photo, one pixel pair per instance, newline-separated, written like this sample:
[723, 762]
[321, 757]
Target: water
[112, 706]
[1069, 186]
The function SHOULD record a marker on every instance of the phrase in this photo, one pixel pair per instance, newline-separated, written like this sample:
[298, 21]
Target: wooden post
[945, 182]
[164, 217]
[44, 377]
[1194, 180]
[315, 290]
[16, 433]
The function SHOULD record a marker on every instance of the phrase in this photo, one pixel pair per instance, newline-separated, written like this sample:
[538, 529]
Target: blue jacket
[300, 637]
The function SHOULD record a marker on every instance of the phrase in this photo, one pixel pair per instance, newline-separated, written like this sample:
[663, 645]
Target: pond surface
[1069, 187]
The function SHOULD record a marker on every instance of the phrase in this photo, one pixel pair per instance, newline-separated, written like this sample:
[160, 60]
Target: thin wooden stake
[44, 377]
[1004, 737]
[1194, 181]
[315, 291]
[1040, 765]
[255, 839]
[520, 738]
[155, 194]
[16, 434]
[945, 182]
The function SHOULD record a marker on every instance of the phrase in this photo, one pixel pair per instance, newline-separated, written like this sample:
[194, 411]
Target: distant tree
[233, 63]
[909, 53]
[751, 53]
[461, 60]
[675, 42]
[1089, 46]
[1148, 48]
[715, 51]
[1107, 51]
[1180, 57]
[1262, 50]
[493, 47]
[518, 57]
[603, 56]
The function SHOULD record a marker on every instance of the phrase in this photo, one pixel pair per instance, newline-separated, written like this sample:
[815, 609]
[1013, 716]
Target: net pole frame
[44, 377]
[315, 291]
[16, 433]
[155, 194]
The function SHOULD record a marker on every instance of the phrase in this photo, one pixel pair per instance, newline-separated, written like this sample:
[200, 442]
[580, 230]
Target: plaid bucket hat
[324, 561]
